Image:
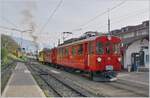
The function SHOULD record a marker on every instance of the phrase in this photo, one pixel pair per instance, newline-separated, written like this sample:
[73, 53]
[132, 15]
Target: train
[17, 53]
[99, 56]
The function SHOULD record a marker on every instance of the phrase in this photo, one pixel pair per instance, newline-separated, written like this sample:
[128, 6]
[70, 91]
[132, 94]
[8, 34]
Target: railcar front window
[116, 48]
[108, 47]
[99, 48]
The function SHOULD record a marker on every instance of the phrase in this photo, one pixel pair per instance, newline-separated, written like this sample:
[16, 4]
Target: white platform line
[7, 85]
[54, 71]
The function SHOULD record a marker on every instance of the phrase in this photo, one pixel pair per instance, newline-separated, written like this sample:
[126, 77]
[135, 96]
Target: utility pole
[53, 44]
[108, 22]
[35, 43]
[58, 42]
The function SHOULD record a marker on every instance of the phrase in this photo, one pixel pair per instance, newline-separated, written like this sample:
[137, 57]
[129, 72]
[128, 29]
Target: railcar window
[99, 48]
[91, 48]
[64, 51]
[108, 47]
[116, 48]
[67, 52]
[80, 49]
[73, 51]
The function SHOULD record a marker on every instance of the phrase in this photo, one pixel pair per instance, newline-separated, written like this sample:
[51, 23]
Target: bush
[4, 54]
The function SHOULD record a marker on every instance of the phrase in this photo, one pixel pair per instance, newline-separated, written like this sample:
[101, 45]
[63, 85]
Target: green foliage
[8, 46]
[4, 55]
[8, 43]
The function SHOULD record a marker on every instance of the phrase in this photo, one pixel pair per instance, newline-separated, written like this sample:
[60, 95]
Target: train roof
[79, 41]
[84, 40]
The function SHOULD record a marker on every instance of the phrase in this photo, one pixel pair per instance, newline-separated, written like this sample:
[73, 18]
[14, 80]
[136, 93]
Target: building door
[141, 57]
[135, 61]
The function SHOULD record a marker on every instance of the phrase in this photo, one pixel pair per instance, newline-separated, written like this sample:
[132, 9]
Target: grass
[10, 57]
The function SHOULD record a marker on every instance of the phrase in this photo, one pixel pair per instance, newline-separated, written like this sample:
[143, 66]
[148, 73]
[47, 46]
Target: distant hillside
[9, 43]
[8, 46]
[27, 44]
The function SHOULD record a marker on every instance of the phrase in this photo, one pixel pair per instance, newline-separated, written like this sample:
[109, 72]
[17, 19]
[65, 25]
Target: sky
[69, 16]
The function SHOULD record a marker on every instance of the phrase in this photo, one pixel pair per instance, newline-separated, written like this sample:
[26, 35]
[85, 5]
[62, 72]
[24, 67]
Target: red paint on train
[98, 53]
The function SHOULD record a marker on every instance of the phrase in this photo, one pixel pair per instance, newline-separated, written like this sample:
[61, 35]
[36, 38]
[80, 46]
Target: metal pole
[108, 22]
[21, 40]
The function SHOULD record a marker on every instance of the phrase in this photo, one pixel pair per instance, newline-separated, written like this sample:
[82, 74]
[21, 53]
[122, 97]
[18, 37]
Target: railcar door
[86, 55]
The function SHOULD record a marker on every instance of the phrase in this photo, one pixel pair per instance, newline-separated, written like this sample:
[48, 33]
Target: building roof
[129, 29]
[132, 39]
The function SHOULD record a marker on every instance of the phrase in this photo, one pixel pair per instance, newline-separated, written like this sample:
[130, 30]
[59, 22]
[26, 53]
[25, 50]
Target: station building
[136, 45]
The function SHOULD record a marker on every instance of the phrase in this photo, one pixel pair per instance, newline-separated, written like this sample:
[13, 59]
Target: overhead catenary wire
[14, 29]
[123, 17]
[101, 14]
[51, 15]
[8, 21]
[119, 19]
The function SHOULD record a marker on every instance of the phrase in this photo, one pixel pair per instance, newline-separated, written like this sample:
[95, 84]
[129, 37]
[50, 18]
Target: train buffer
[22, 84]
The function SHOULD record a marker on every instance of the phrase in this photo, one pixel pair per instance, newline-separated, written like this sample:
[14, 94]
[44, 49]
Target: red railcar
[46, 56]
[98, 54]
[49, 55]
[53, 56]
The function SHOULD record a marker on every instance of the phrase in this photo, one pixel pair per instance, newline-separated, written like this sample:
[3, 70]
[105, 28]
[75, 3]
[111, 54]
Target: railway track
[125, 88]
[60, 87]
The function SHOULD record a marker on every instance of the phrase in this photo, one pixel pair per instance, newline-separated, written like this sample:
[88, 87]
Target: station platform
[135, 77]
[22, 84]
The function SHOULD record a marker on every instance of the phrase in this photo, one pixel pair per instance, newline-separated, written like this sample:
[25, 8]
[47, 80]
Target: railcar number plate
[109, 67]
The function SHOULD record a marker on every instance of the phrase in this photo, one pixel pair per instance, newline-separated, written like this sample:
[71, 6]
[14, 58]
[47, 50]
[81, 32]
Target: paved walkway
[22, 84]
[135, 77]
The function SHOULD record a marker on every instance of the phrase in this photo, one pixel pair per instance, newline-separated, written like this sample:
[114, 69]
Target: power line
[125, 17]
[101, 14]
[2, 15]
[14, 29]
[52, 14]
[8, 21]
[121, 18]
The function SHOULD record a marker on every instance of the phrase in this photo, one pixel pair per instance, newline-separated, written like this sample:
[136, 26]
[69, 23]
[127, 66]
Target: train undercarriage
[104, 76]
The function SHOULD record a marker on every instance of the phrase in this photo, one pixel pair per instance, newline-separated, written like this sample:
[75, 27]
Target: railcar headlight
[99, 59]
[119, 59]
[109, 37]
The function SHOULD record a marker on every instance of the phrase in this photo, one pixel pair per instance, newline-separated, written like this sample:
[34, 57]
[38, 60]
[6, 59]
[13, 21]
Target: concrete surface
[22, 84]
[136, 77]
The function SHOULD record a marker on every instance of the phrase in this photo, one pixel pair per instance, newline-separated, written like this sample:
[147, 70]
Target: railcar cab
[107, 57]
